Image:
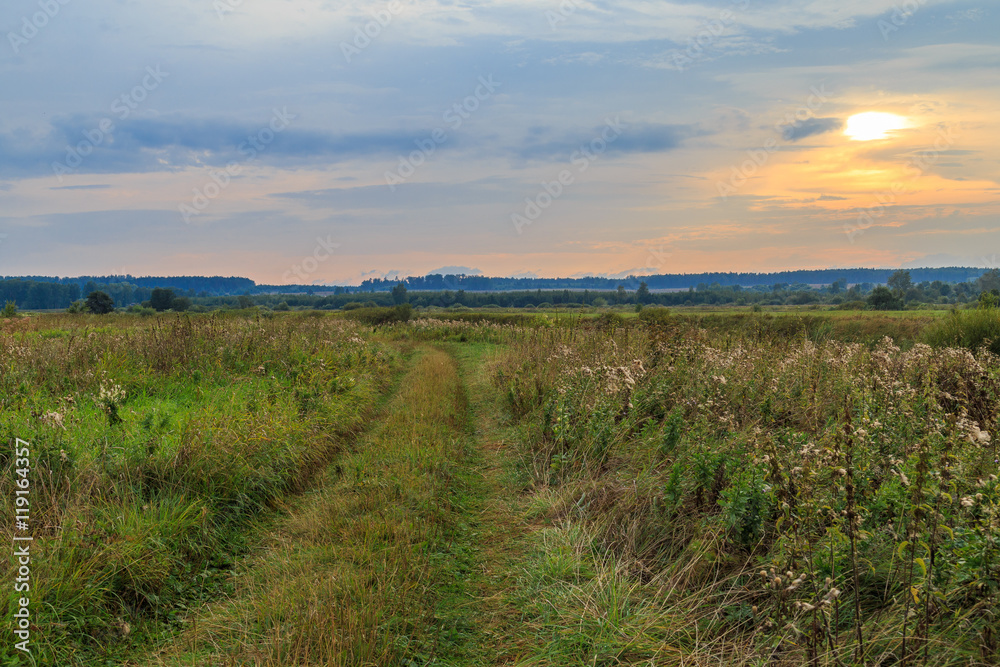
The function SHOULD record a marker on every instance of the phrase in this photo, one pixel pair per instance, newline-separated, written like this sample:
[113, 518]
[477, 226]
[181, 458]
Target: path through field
[405, 554]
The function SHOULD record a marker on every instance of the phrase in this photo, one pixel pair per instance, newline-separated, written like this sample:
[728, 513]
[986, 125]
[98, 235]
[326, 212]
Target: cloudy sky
[321, 141]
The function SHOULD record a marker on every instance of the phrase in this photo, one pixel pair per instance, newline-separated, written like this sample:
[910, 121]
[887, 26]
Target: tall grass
[971, 329]
[730, 498]
[155, 442]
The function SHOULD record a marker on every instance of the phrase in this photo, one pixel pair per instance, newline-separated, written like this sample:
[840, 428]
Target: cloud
[412, 195]
[165, 143]
[617, 137]
[585, 58]
[96, 186]
[810, 127]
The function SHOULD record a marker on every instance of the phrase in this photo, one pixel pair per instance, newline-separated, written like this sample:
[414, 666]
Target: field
[503, 488]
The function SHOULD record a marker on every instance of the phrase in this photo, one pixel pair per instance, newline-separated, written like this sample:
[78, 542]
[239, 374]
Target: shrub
[655, 315]
[609, 321]
[180, 304]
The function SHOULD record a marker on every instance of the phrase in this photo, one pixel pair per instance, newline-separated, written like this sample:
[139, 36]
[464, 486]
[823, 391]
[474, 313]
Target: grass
[718, 497]
[735, 489]
[377, 565]
[154, 444]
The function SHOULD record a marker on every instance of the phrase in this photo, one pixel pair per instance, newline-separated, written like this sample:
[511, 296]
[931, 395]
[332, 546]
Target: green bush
[144, 311]
[656, 315]
[609, 320]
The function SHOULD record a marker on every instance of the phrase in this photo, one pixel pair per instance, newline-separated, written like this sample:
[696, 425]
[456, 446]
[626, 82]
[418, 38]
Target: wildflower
[53, 419]
[968, 502]
[111, 393]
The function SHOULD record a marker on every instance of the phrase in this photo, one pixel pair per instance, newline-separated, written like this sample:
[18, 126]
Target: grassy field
[716, 488]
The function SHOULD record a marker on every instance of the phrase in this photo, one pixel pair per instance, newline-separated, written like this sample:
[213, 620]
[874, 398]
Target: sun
[873, 125]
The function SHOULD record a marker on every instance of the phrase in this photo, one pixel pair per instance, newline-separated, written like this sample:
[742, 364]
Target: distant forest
[436, 282]
[941, 285]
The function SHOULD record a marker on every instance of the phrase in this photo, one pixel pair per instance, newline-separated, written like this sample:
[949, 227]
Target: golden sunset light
[872, 125]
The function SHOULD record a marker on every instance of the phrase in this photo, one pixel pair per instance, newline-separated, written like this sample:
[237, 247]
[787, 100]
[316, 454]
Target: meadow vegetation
[384, 488]
[738, 498]
[154, 445]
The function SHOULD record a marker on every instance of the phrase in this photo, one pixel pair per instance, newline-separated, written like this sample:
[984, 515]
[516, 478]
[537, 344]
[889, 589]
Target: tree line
[900, 290]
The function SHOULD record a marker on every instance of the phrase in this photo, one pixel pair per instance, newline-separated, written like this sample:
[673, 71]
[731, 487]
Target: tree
[161, 299]
[620, 295]
[399, 294]
[882, 298]
[989, 281]
[989, 299]
[642, 294]
[100, 303]
[180, 303]
[244, 301]
[10, 310]
[900, 282]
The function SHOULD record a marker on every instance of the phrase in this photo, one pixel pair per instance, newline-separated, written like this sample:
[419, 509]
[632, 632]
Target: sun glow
[873, 125]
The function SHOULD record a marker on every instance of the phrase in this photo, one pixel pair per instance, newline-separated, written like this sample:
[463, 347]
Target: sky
[308, 141]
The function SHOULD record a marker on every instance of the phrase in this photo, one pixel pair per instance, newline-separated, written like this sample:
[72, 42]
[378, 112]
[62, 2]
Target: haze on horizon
[324, 142]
